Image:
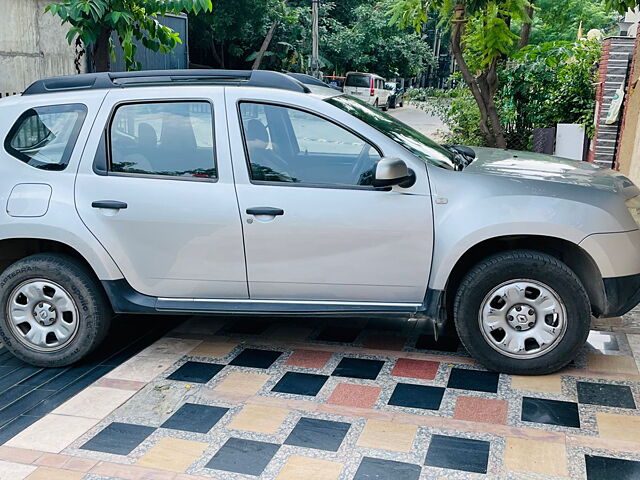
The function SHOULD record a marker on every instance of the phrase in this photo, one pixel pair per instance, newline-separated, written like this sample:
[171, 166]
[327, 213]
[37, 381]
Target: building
[33, 45]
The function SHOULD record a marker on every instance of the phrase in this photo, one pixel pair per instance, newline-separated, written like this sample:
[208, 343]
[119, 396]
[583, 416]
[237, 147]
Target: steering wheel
[361, 162]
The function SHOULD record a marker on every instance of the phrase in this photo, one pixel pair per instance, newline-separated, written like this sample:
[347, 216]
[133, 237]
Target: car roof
[110, 80]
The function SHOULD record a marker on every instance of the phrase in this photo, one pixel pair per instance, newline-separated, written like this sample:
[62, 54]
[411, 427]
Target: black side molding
[265, 211]
[109, 204]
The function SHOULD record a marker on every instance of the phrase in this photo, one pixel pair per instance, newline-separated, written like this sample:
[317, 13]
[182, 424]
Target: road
[420, 120]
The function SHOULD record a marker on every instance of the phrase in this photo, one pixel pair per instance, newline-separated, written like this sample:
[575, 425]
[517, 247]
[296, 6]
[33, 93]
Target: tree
[621, 6]
[481, 37]
[224, 38]
[558, 20]
[93, 22]
[370, 44]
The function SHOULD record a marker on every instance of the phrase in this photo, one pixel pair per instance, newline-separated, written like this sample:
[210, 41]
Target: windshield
[357, 80]
[417, 143]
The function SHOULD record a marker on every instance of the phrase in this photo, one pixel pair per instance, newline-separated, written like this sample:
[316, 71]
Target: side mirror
[393, 171]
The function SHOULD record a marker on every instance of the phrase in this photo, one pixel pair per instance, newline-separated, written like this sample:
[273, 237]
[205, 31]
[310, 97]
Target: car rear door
[158, 192]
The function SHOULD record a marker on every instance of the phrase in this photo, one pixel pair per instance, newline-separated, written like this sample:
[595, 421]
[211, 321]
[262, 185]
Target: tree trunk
[483, 88]
[525, 33]
[101, 56]
[216, 56]
[264, 46]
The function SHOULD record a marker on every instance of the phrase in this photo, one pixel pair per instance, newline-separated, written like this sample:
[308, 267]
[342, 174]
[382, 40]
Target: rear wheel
[53, 311]
[522, 312]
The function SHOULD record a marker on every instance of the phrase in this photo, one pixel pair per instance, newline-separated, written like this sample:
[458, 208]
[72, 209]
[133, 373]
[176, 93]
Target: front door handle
[109, 204]
[270, 211]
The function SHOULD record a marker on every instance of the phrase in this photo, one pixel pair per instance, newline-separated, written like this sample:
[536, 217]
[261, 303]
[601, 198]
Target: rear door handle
[271, 211]
[109, 204]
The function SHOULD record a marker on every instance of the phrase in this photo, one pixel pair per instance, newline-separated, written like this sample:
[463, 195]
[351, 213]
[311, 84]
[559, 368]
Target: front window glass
[44, 137]
[170, 139]
[417, 143]
[291, 146]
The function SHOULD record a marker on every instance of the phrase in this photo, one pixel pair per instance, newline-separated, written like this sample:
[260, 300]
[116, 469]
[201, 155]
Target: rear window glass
[44, 137]
[171, 139]
[358, 81]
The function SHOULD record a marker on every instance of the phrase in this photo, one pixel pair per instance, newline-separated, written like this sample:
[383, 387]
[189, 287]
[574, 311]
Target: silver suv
[190, 192]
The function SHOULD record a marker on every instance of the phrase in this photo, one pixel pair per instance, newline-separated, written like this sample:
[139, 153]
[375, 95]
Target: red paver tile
[19, 455]
[309, 358]
[121, 384]
[80, 464]
[483, 410]
[350, 395]
[385, 342]
[52, 460]
[423, 369]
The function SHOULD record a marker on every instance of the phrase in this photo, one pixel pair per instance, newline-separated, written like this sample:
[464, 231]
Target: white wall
[32, 45]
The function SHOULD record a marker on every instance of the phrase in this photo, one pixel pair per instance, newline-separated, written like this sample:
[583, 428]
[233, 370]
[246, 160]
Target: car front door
[158, 193]
[314, 227]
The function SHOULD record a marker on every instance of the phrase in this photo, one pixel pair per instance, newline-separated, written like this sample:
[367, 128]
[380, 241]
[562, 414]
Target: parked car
[396, 96]
[368, 87]
[218, 192]
[335, 81]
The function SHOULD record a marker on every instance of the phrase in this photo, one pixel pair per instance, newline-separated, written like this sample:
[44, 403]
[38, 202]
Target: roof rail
[95, 81]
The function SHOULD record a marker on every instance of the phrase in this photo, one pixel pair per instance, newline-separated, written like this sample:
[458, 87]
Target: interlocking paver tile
[378, 468]
[417, 396]
[535, 456]
[243, 456]
[480, 381]
[172, 454]
[309, 358]
[300, 383]
[298, 468]
[259, 418]
[255, 358]
[550, 412]
[538, 383]
[358, 368]
[619, 427]
[411, 368]
[592, 393]
[351, 395]
[242, 383]
[196, 372]
[192, 417]
[47, 473]
[52, 433]
[458, 453]
[118, 438]
[606, 468]
[484, 410]
[384, 435]
[318, 434]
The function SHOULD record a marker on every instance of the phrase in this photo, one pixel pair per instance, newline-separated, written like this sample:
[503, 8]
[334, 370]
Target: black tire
[513, 265]
[94, 312]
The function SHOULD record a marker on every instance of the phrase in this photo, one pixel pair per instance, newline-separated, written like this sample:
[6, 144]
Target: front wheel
[522, 312]
[53, 311]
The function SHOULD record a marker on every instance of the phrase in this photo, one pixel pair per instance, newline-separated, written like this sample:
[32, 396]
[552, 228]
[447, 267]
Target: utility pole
[315, 63]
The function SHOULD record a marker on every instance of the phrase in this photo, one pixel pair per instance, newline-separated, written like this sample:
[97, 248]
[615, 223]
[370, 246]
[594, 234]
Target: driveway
[241, 398]
[425, 123]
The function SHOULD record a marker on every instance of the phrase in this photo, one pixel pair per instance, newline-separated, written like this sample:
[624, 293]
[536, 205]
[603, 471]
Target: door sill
[124, 299]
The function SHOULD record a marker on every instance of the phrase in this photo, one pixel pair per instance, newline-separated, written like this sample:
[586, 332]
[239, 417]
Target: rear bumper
[621, 294]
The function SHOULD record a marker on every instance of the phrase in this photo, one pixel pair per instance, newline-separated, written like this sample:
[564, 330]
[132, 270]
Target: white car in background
[369, 88]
